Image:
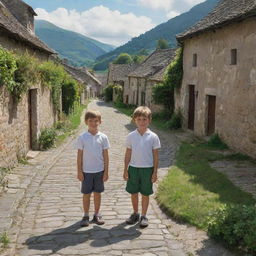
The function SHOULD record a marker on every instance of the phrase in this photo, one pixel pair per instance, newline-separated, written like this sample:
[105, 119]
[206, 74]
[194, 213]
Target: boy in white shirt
[141, 164]
[92, 165]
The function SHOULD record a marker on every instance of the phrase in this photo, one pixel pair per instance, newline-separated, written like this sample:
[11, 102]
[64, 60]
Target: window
[233, 57]
[194, 64]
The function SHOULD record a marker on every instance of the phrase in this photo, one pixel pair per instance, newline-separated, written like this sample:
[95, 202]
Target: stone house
[218, 93]
[92, 86]
[146, 75]
[21, 123]
[118, 75]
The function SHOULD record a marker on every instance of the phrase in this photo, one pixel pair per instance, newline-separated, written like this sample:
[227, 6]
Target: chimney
[22, 12]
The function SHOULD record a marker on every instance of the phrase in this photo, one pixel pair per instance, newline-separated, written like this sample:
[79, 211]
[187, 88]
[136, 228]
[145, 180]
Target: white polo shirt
[142, 148]
[93, 146]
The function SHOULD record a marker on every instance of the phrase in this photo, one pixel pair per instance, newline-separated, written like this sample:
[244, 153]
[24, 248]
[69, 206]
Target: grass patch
[193, 190]
[124, 108]
[4, 240]
[3, 172]
[216, 143]
[70, 123]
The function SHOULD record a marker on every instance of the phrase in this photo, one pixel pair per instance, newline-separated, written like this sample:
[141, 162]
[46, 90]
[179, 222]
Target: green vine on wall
[163, 93]
[19, 72]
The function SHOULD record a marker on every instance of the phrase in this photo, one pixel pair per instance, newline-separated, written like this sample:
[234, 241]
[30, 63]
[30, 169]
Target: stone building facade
[218, 93]
[146, 75]
[118, 75]
[92, 86]
[22, 122]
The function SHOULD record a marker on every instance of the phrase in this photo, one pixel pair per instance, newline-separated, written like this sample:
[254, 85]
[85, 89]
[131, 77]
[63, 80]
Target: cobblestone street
[46, 219]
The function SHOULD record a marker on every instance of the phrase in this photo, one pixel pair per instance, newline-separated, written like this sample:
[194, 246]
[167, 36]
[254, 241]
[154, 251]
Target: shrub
[175, 122]
[174, 72]
[7, 68]
[235, 225]
[216, 142]
[70, 95]
[47, 138]
[118, 90]
[4, 239]
[108, 93]
[163, 93]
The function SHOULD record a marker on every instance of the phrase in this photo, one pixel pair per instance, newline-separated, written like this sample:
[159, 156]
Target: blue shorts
[93, 182]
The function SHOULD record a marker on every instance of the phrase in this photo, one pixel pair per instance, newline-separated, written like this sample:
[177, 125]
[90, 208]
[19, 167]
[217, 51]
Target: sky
[113, 22]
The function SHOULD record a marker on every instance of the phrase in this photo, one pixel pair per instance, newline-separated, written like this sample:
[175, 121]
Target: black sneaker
[143, 222]
[133, 219]
[98, 220]
[85, 221]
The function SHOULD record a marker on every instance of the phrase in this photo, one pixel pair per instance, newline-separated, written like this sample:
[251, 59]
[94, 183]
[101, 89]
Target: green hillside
[78, 49]
[166, 30]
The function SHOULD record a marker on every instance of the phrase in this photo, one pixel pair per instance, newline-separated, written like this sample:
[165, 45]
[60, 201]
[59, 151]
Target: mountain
[77, 48]
[166, 30]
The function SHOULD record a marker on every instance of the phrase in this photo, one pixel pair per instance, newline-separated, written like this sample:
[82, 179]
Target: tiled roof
[225, 12]
[154, 64]
[120, 71]
[15, 29]
[81, 74]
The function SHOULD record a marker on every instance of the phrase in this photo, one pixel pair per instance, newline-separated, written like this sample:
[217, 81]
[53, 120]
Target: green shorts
[140, 181]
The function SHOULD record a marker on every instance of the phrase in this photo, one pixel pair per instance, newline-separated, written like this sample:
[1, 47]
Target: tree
[123, 58]
[162, 44]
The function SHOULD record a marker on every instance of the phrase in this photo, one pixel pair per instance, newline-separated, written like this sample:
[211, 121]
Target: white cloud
[194, 2]
[99, 22]
[157, 4]
[172, 14]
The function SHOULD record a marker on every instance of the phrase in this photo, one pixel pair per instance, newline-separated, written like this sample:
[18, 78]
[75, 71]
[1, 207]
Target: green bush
[175, 122]
[70, 95]
[163, 93]
[163, 115]
[118, 90]
[216, 142]
[235, 225]
[174, 72]
[47, 138]
[7, 68]
[108, 93]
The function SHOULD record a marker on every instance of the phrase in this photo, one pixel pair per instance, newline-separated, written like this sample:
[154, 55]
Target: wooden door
[191, 107]
[32, 118]
[211, 115]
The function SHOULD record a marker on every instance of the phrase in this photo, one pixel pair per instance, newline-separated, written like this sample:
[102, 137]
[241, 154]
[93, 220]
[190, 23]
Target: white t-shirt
[93, 146]
[142, 148]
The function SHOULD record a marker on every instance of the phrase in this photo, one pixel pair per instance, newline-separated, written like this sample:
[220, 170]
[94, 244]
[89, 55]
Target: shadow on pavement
[98, 236]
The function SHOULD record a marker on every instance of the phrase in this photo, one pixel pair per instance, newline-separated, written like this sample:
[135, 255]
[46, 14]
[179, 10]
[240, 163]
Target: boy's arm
[80, 175]
[106, 164]
[155, 163]
[127, 159]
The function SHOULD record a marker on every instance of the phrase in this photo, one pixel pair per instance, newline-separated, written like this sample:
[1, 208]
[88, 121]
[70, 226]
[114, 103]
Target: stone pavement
[45, 219]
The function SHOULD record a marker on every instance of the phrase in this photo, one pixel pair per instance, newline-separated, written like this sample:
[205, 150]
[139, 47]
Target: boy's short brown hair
[142, 111]
[92, 114]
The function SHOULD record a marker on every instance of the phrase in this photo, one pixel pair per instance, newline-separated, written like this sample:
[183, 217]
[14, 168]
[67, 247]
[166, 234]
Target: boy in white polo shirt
[141, 163]
[92, 165]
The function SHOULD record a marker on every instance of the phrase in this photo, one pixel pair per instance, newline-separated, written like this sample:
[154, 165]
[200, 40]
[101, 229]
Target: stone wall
[233, 85]
[14, 122]
[11, 44]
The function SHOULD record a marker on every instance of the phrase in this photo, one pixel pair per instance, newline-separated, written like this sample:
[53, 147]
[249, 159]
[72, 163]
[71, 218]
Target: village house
[146, 75]
[21, 123]
[218, 93]
[118, 75]
[92, 86]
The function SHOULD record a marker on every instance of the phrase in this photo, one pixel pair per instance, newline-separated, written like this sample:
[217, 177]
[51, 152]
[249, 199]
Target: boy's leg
[135, 202]
[97, 201]
[144, 205]
[86, 203]
[97, 218]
